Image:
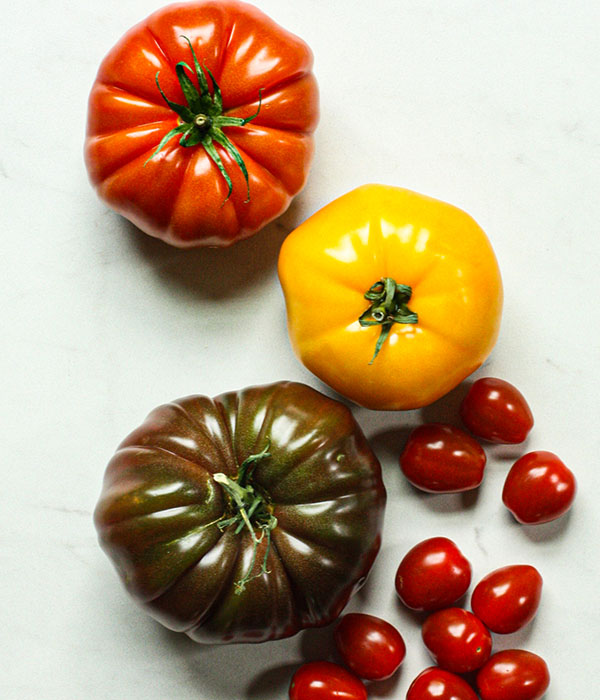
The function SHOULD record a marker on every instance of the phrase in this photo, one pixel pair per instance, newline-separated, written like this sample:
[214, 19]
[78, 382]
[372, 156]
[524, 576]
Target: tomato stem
[250, 510]
[202, 119]
[388, 306]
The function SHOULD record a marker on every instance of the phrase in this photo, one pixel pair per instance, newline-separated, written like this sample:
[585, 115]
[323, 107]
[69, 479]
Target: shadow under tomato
[387, 688]
[448, 502]
[389, 444]
[215, 669]
[514, 640]
[216, 273]
[270, 681]
[447, 409]
[544, 532]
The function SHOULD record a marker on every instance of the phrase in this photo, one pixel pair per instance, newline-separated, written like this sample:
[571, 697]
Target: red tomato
[441, 458]
[432, 575]
[513, 675]
[322, 680]
[539, 488]
[436, 684]
[193, 189]
[457, 640]
[370, 646]
[507, 598]
[496, 411]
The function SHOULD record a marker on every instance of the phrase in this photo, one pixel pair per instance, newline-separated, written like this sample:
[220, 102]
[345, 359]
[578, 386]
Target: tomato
[432, 575]
[457, 640]
[246, 517]
[507, 598]
[369, 646]
[496, 411]
[513, 675]
[539, 488]
[322, 680]
[436, 684]
[442, 459]
[392, 298]
[200, 122]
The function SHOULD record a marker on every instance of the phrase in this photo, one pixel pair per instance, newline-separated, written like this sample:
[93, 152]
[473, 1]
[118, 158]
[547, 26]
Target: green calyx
[388, 306]
[248, 509]
[202, 119]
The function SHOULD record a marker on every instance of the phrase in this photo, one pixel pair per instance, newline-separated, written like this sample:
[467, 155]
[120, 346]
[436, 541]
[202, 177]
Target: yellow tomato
[434, 296]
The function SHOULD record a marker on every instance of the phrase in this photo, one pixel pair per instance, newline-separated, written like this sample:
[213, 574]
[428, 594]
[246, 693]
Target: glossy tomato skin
[513, 674]
[179, 195]
[322, 680]
[508, 598]
[457, 640]
[441, 458]
[432, 575]
[496, 410]
[436, 684]
[371, 647]
[328, 264]
[539, 487]
[161, 506]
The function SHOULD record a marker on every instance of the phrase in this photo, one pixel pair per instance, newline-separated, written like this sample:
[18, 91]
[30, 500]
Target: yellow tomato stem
[388, 306]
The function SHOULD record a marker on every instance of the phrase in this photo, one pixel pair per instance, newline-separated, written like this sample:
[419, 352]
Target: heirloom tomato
[322, 680]
[440, 458]
[246, 517]
[371, 647]
[539, 487]
[200, 122]
[432, 575]
[507, 598]
[513, 674]
[392, 297]
[457, 640]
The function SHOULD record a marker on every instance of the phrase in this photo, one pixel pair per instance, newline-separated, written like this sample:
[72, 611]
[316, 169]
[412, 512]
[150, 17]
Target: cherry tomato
[322, 680]
[442, 459]
[436, 684]
[513, 675]
[433, 574]
[507, 598]
[457, 640]
[496, 411]
[370, 646]
[539, 488]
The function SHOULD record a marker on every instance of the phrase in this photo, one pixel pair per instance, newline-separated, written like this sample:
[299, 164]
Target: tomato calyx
[202, 119]
[388, 306]
[248, 508]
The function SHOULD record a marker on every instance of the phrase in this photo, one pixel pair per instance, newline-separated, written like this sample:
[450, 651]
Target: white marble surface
[490, 105]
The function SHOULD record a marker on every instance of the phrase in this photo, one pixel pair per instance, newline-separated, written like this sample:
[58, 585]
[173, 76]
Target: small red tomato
[496, 411]
[539, 488]
[322, 680]
[433, 574]
[457, 640]
[507, 598]
[513, 675]
[370, 646]
[436, 684]
[442, 459]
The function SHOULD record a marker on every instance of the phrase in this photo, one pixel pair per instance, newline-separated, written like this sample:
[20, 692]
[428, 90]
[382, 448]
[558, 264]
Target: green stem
[202, 120]
[388, 306]
[248, 509]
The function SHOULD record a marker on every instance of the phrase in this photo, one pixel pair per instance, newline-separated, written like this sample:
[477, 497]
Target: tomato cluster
[432, 577]
[459, 641]
[441, 458]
